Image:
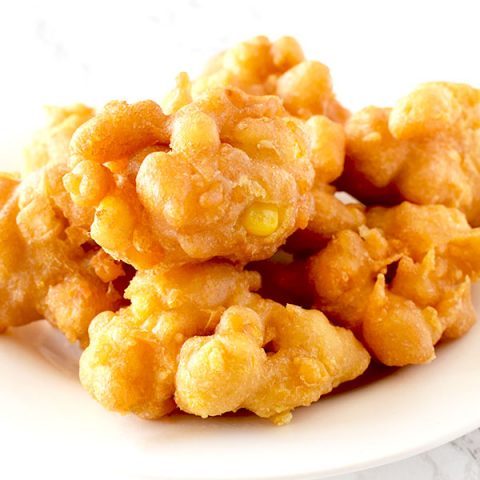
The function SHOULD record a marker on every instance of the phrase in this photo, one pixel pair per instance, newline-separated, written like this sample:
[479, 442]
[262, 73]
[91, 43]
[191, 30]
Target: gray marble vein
[457, 460]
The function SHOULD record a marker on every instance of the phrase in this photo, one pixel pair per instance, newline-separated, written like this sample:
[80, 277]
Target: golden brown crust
[196, 337]
[330, 216]
[45, 270]
[232, 178]
[259, 66]
[424, 150]
[51, 143]
[403, 282]
[162, 222]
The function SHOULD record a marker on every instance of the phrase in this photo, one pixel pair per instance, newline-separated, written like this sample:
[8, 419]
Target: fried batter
[48, 267]
[195, 248]
[261, 67]
[425, 150]
[228, 175]
[51, 144]
[330, 216]
[327, 137]
[403, 283]
[197, 337]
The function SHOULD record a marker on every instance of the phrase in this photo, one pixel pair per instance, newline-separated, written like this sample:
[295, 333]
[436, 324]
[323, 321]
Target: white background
[93, 51]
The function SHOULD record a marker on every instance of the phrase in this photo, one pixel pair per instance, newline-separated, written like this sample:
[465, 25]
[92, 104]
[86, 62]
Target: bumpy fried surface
[403, 283]
[327, 137]
[228, 175]
[48, 267]
[327, 155]
[51, 144]
[220, 210]
[260, 67]
[285, 274]
[330, 216]
[425, 150]
[197, 337]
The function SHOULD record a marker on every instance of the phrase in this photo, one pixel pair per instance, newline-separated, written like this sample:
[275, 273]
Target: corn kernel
[261, 219]
[114, 224]
[194, 131]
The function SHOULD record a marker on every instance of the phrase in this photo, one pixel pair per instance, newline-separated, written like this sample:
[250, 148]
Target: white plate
[49, 424]
[45, 414]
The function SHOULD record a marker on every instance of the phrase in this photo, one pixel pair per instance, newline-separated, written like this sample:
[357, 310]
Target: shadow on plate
[49, 344]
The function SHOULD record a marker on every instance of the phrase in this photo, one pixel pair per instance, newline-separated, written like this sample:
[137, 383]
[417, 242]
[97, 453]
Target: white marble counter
[93, 51]
[457, 460]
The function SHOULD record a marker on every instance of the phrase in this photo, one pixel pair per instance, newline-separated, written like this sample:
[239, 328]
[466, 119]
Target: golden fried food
[51, 144]
[228, 175]
[330, 216]
[197, 337]
[48, 267]
[199, 249]
[425, 150]
[261, 67]
[327, 137]
[403, 282]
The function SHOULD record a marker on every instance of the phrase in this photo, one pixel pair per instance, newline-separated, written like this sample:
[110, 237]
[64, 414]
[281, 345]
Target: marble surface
[58, 52]
[457, 460]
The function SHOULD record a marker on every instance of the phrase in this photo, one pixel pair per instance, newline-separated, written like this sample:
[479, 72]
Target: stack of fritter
[199, 251]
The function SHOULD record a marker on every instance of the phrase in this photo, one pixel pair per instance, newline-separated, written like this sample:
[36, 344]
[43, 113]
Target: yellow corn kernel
[194, 131]
[114, 224]
[261, 219]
